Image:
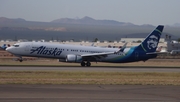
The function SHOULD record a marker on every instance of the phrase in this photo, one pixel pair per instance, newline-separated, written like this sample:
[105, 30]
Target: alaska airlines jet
[87, 54]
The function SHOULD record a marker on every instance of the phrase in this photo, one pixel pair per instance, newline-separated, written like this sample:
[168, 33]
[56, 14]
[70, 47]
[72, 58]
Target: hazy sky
[135, 11]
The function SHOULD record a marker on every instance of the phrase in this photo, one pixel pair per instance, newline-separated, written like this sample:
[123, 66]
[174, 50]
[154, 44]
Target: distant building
[22, 40]
[173, 45]
[134, 40]
[9, 40]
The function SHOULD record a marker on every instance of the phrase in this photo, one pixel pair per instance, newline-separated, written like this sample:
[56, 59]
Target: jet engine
[73, 58]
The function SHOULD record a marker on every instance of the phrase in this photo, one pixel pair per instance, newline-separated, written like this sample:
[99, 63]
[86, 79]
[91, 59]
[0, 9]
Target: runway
[104, 69]
[88, 93]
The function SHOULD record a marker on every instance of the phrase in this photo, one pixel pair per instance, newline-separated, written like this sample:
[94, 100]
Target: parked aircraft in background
[4, 46]
[175, 52]
[87, 54]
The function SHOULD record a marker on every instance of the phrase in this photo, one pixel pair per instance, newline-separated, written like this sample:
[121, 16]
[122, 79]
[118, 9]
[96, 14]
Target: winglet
[92, 44]
[122, 49]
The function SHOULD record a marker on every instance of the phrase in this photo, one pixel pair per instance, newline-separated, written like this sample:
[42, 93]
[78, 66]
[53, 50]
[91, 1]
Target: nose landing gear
[20, 59]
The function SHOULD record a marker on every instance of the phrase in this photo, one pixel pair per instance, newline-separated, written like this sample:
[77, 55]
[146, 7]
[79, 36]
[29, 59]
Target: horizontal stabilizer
[153, 53]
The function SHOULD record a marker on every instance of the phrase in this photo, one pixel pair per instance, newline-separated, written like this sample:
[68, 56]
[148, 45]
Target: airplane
[173, 46]
[175, 52]
[87, 54]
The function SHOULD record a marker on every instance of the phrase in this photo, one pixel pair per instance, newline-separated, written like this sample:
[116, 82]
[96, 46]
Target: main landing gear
[88, 64]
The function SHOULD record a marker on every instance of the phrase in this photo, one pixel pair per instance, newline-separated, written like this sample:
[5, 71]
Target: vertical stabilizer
[151, 42]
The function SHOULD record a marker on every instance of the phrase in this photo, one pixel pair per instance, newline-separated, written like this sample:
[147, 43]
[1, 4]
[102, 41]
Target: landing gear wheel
[20, 60]
[83, 63]
[88, 64]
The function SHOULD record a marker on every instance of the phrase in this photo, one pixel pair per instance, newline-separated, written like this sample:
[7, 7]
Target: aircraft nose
[9, 49]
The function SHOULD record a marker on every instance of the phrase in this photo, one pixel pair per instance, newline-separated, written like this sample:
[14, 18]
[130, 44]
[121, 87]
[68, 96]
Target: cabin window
[16, 45]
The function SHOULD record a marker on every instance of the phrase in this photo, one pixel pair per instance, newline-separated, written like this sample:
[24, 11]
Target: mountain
[143, 35]
[176, 25]
[8, 20]
[90, 21]
[19, 22]
[68, 28]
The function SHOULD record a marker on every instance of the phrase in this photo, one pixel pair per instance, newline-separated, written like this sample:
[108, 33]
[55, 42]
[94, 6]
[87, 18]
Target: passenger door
[27, 48]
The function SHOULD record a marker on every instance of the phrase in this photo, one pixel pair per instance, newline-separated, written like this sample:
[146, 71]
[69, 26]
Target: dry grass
[110, 78]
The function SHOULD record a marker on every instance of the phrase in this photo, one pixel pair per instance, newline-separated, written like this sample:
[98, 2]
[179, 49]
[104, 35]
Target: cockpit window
[16, 45]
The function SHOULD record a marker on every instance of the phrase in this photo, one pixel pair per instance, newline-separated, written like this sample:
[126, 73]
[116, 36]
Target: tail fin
[151, 42]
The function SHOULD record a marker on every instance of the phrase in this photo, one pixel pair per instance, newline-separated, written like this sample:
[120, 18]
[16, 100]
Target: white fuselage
[59, 51]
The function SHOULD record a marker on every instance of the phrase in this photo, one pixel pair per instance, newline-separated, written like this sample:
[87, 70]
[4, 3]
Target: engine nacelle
[73, 58]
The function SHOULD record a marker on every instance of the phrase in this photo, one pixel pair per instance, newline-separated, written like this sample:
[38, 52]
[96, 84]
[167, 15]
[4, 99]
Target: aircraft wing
[105, 53]
[97, 54]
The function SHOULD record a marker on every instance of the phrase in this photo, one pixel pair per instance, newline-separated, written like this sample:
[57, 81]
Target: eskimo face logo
[152, 42]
